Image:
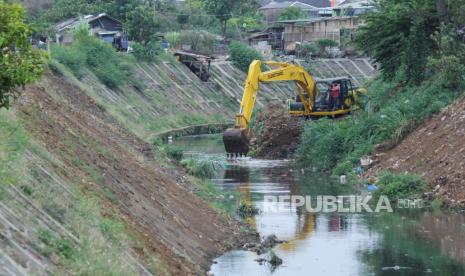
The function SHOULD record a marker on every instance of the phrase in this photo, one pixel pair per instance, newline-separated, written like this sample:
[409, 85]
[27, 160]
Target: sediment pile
[277, 134]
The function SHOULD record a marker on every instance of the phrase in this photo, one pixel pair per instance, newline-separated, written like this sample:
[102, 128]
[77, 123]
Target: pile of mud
[277, 134]
[436, 151]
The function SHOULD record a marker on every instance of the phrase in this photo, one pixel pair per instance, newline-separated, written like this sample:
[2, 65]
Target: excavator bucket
[236, 141]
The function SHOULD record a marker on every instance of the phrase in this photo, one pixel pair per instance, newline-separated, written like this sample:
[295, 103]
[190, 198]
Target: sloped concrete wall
[359, 70]
[164, 96]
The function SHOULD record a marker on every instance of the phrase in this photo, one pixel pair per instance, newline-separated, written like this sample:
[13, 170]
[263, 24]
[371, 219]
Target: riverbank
[398, 132]
[435, 150]
[86, 190]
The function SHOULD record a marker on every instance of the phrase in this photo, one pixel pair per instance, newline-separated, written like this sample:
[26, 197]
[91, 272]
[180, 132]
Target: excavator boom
[236, 139]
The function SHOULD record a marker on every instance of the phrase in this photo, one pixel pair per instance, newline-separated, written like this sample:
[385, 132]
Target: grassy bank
[392, 110]
[13, 142]
[95, 240]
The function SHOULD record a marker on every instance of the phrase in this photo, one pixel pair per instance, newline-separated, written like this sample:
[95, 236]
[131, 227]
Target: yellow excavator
[312, 100]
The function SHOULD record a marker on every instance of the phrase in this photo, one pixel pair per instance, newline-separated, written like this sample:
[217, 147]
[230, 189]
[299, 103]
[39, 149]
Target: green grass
[203, 169]
[400, 186]
[224, 202]
[103, 239]
[391, 112]
[101, 58]
[13, 143]
[173, 152]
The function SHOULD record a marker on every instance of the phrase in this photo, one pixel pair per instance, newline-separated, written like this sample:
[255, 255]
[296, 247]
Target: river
[404, 242]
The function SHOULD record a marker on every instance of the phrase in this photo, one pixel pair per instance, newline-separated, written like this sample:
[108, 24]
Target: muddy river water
[404, 242]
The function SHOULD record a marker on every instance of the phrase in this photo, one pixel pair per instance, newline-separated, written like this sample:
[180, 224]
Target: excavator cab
[322, 101]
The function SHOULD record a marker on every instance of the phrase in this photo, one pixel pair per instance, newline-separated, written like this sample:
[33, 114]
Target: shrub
[173, 152]
[308, 49]
[201, 168]
[200, 41]
[104, 62]
[100, 57]
[173, 38]
[148, 51]
[242, 55]
[400, 186]
[59, 245]
[71, 57]
[247, 210]
[324, 44]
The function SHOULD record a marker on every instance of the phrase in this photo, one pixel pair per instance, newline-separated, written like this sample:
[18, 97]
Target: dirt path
[183, 230]
[436, 151]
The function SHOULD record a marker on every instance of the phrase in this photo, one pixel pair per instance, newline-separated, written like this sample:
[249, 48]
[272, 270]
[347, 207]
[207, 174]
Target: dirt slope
[277, 133]
[177, 225]
[436, 151]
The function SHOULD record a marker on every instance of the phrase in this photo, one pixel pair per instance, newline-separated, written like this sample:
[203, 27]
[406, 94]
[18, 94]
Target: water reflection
[401, 243]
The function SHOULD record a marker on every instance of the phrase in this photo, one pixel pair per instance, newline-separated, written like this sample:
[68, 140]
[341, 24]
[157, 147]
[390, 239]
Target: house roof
[355, 4]
[312, 20]
[287, 4]
[313, 3]
[73, 22]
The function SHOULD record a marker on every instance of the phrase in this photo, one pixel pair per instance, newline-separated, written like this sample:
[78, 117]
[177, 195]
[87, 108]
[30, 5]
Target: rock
[275, 261]
[441, 180]
[270, 241]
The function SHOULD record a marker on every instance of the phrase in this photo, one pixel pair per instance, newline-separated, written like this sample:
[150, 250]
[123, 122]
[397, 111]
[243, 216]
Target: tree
[324, 44]
[398, 35]
[148, 51]
[308, 49]
[447, 63]
[64, 9]
[242, 55]
[292, 13]
[20, 63]
[222, 9]
[142, 23]
[200, 41]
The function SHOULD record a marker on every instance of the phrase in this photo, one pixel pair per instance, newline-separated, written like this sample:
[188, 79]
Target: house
[102, 26]
[353, 7]
[310, 30]
[272, 10]
[271, 38]
[314, 3]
